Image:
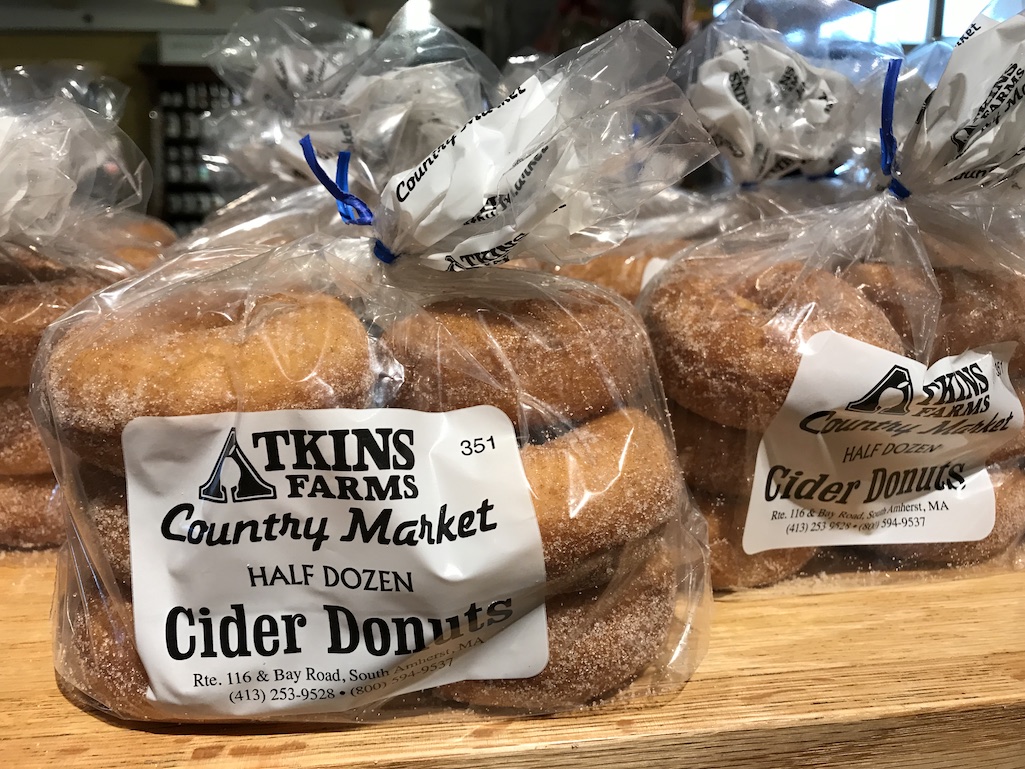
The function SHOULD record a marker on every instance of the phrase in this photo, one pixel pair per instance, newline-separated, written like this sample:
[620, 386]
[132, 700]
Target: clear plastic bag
[390, 107]
[522, 65]
[65, 172]
[60, 163]
[466, 481]
[419, 84]
[782, 96]
[77, 82]
[845, 382]
[271, 222]
[271, 59]
[780, 91]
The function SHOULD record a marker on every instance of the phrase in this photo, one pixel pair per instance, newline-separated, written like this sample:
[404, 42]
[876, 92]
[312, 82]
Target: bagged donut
[845, 383]
[65, 171]
[781, 94]
[334, 481]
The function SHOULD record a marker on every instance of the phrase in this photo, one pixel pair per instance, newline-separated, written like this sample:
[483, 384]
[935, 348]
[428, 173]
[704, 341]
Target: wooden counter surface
[922, 675]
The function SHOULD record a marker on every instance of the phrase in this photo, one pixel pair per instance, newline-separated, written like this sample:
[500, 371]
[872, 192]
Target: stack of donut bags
[845, 383]
[65, 171]
[350, 478]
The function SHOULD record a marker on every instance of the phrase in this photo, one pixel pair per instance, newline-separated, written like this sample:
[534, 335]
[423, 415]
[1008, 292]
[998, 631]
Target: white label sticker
[301, 561]
[874, 448]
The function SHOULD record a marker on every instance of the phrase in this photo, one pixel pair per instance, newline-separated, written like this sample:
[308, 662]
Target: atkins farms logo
[897, 381]
[250, 485]
[315, 463]
[892, 406]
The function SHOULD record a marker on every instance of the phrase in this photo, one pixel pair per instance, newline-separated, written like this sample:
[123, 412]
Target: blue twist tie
[887, 140]
[352, 209]
[382, 252]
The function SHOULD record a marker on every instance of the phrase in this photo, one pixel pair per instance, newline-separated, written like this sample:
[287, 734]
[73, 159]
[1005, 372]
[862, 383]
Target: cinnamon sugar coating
[26, 309]
[600, 486]
[285, 351]
[28, 517]
[97, 655]
[731, 567]
[598, 640]
[981, 308]
[714, 458]
[542, 360]
[621, 269]
[909, 299]
[727, 332]
[21, 449]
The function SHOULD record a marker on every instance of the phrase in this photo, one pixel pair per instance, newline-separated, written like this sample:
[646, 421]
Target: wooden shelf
[918, 675]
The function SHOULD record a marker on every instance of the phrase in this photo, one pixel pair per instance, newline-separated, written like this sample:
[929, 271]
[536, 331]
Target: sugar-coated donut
[107, 513]
[284, 351]
[146, 229]
[96, 654]
[731, 567]
[981, 308]
[21, 264]
[726, 332]
[35, 290]
[598, 641]
[21, 449]
[714, 458]
[909, 298]
[29, 517]
[621, 269]
[559, 358]
[601, 485]
[601, 568]
[1008, 529]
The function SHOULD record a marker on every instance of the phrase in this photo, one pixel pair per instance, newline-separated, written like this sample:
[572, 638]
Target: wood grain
[912, 675]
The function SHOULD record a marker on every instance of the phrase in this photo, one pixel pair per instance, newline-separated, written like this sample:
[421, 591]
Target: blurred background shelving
[158, 47]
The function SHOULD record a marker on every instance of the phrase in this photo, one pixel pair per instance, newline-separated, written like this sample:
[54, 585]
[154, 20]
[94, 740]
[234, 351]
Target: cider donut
[141, 239]
[146, 229]
[731, 567]
[714, 458]
[598, 640]
[283, 351]
[555, 358]
[981, 308]
[35, 290]
[21, 449]
[1008, 529]
[726, 332]
[621, 269]
[606, 483]
[910, 299]
[97, 657]
[595, 490]
[107, 513]
[29, 518]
